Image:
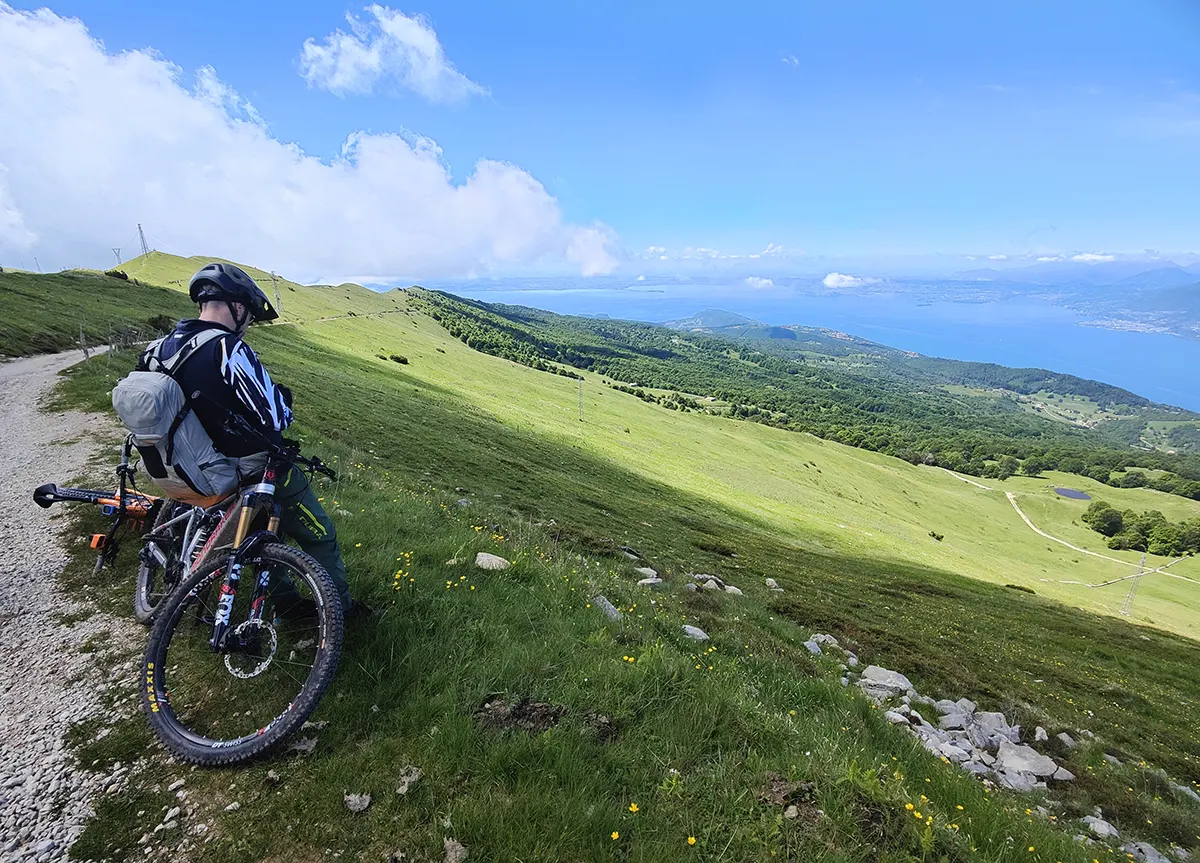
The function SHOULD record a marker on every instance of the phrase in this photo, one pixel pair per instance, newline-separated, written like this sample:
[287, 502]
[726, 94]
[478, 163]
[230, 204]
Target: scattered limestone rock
[695, 632]
[1144, 852]
[1040, 735]
[704, 578]
[712, 584]
[357, 802]
[773, 585]
[646, 572]
[607, 607]
[485, 560]
[880, 683]
[729, 588]
[813, 648]
[1185, 791]
[1015, 781]
[692, 587]
[1100, 827]
[1062, 774]
[233, 807]
[1024, 759]
[823, 638]
[408, 778]
[792, 812]
[896, 718]
[630, 553]
[1066, 740]
[456, 852]
[650, 582]
[1111, 759]
[305, 745]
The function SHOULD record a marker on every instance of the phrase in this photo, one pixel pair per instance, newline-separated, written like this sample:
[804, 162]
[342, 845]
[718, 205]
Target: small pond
[1073, 493]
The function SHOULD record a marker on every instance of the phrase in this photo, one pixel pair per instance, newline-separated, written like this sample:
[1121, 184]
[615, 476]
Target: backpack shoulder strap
[186, 350]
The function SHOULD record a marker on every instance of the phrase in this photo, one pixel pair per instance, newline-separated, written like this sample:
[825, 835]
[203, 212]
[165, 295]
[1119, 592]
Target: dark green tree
[1102, 518]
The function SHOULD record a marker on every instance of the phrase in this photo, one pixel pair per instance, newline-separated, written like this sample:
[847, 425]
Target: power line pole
[142, 237]
[117, 252]
[1127, 607]
[275, 282]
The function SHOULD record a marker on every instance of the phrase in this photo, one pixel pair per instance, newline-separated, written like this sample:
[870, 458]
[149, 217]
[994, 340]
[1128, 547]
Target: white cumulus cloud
[997, 257]
[1092, 258]
[839, 280]
[1047, 259]
[759, 282]
[388, 48]
[91, 143]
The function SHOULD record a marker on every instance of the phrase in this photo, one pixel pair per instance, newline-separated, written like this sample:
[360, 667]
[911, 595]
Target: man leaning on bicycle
[222, 376]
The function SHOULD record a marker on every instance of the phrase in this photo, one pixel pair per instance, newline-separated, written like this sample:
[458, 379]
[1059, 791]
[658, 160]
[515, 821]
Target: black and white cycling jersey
[252, 385]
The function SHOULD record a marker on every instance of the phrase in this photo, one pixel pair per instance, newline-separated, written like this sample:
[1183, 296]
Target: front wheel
[215, 707]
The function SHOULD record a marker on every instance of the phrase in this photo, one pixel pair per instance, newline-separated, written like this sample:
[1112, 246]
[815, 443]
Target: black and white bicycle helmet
[217, 282]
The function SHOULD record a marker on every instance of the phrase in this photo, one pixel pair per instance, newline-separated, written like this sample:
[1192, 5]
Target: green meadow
[695, 728]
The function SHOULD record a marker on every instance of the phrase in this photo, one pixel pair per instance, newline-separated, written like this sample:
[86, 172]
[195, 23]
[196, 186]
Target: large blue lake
[1013, 333]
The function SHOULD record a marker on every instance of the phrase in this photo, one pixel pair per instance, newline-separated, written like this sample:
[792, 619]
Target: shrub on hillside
[1102, 518]
[117, 274]
[1129, 479]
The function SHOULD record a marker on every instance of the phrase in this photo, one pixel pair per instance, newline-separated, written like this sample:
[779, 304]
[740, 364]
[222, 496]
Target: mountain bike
[130, 508]
[176, 537]
[246, 630]
[241, 651]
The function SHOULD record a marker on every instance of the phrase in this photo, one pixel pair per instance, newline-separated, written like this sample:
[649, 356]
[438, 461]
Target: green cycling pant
[305, 520]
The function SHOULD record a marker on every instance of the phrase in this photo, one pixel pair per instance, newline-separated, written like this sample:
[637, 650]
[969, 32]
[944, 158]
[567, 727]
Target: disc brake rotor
[254, 649]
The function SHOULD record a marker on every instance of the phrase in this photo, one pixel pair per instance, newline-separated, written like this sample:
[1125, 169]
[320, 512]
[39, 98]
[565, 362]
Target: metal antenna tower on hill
[1127, 607]
[275, 282]
[142, 237]
[117, 252]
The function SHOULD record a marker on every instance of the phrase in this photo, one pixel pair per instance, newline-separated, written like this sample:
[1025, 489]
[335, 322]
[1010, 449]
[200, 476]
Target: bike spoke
[235, 693]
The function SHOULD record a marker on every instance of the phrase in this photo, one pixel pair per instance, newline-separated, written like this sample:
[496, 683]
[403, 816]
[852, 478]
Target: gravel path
[46, 681]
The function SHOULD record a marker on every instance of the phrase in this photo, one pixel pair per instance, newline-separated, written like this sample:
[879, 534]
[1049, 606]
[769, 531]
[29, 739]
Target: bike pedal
[99, 540]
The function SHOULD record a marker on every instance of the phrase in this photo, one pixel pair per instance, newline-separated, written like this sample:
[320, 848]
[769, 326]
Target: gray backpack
[177, 452]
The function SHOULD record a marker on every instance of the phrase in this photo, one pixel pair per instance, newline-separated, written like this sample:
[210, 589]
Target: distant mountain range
[1165, 274]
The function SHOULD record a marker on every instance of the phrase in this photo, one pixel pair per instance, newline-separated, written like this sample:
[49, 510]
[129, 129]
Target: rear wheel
[154, 581]
[221, 707]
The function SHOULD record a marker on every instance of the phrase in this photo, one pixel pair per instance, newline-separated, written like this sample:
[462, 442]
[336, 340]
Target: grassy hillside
[843, 530]
[47, 313]
[296, 302]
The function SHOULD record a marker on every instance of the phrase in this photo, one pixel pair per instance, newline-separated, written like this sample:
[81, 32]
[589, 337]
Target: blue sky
[860, 129]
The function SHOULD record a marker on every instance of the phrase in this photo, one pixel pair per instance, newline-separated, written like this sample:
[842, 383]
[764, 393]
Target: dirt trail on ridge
[46, 681]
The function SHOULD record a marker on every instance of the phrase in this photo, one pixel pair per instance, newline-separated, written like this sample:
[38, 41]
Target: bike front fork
[245, 545]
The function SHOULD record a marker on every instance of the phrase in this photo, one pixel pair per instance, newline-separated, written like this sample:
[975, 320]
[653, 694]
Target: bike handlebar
[289, 452]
